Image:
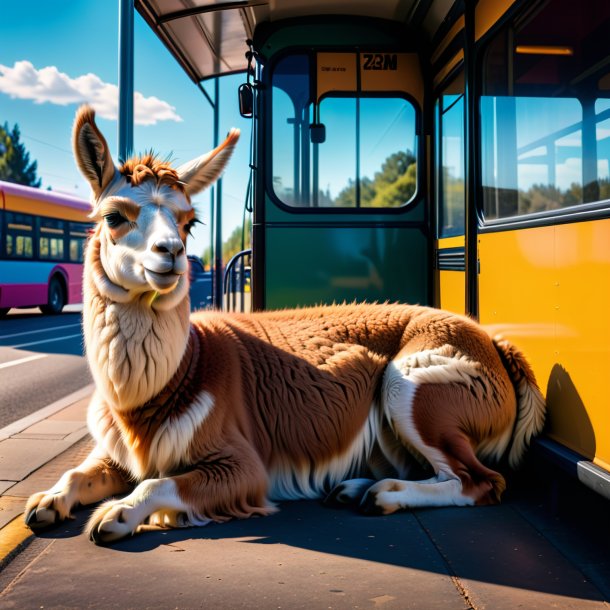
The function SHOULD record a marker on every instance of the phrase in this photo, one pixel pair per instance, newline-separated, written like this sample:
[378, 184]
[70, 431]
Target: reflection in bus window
[536, 160]
[366, 158]
[544, 111]
[451, 184]
[602, 136]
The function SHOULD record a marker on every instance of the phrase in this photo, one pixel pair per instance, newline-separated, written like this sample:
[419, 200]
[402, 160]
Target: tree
[15, 164]
[392, 186]
[231, 246]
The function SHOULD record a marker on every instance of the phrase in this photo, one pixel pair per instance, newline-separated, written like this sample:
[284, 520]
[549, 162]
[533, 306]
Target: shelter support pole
[126, 116]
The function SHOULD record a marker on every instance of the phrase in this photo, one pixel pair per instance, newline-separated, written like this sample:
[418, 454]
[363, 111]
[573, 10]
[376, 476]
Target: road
[41, 361]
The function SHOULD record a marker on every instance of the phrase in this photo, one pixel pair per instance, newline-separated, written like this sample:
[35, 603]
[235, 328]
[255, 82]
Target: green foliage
[392, 186]
[503, 203]
[231, 246]
[15, 165]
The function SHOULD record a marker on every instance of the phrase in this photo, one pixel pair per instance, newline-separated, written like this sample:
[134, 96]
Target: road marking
[6, 365]
[44, 341]
[42, 330]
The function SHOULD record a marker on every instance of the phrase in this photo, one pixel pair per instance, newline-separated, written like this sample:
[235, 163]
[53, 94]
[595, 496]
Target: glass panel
[544, 128]
[290, 99]
[365, 156]
[536, 163]
[450, 142]
[602, 136]
[337, 155]
[387, 152]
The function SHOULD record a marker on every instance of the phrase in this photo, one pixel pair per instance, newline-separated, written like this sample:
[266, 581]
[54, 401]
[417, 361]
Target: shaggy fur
[220, 415]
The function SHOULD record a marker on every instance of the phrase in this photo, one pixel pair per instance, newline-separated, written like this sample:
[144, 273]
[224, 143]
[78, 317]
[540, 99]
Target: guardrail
[236, 283]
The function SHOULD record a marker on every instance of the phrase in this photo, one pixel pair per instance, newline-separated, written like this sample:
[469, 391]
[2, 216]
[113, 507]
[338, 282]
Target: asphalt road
[41, 361]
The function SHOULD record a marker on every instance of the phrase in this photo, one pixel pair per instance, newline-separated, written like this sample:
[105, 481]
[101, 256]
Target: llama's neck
[133, 349]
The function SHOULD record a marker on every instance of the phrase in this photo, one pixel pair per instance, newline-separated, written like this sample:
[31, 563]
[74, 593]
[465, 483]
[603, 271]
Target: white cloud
[48, 84]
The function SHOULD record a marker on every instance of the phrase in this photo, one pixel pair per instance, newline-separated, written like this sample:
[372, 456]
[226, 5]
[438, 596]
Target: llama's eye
[114, 219]
[189, 226]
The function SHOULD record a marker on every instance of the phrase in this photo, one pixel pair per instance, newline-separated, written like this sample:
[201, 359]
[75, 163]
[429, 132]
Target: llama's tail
[531, 406]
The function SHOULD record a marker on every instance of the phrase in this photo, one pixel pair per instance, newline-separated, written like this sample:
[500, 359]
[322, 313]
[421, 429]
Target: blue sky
[56, 54]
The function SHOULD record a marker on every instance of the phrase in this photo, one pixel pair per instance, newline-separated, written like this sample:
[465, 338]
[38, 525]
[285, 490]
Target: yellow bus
[451, 153]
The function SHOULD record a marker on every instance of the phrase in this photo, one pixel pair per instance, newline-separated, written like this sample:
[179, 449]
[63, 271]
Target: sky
[56, 55]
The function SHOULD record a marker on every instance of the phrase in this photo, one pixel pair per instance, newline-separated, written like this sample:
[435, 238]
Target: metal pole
[125, 79]
[471, 228]
[218, 216]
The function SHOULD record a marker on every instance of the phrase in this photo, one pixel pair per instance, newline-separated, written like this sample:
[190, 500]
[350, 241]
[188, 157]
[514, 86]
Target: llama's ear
[91, 151]
[205, 170]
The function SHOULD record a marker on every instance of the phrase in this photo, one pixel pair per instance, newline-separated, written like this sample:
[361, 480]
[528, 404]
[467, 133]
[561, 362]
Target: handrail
[230, 285]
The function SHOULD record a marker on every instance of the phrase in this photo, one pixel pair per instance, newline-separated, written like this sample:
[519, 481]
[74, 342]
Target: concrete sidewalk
[307, 556]
[34, 452]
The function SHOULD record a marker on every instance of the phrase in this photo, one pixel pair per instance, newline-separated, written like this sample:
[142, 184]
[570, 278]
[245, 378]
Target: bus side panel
[452, 288]
[547, 290]
[24, 283]
[74, 274]
[336, 264]
[451, 277]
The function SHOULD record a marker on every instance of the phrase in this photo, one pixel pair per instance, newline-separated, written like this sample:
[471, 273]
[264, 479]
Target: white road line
[6, 365]
[41, 330]
[44, 341]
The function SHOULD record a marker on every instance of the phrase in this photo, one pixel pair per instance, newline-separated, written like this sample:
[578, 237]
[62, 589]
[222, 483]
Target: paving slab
[10, 507]
[4, 485]
[21, 456]
[52, 426]
[46, 476]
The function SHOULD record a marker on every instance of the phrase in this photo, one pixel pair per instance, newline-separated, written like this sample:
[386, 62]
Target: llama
[213, 416]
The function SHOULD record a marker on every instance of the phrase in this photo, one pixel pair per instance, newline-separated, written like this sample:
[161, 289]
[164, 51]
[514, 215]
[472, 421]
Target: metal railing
[237, 283]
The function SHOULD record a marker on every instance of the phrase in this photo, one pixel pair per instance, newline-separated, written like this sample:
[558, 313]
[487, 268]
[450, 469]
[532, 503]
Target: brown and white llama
[220, 415]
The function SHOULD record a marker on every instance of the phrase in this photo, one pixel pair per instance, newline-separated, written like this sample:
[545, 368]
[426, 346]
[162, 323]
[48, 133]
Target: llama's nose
[169, 245]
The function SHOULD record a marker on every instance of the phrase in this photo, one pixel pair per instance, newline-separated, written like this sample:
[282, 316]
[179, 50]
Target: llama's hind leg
[426, 408]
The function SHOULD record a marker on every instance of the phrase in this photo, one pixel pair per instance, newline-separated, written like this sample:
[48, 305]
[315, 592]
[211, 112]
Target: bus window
[19, 235]
[78, 237]
[544, 132]
[367, 156]
[51, 239]
[450, 180]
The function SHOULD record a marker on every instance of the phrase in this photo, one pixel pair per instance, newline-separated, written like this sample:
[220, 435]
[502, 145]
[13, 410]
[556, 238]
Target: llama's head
[144, 215]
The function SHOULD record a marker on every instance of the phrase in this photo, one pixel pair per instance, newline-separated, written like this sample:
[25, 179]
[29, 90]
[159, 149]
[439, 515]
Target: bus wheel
[57, 298]
[4, 311]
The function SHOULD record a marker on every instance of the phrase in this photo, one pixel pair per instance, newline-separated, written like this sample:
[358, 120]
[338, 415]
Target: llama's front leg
[217, 489]
[95, 479]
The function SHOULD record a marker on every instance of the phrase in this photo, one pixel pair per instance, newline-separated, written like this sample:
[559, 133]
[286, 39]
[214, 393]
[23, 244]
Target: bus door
[342, 215]
[449, 280]
[450, 188]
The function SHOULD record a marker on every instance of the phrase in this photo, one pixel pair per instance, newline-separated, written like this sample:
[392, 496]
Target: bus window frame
[267, 132]
[580, 212]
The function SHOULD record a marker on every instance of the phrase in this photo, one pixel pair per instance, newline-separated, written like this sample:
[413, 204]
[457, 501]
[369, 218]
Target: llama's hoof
[369, 506]
[112, 521]
[39, 519]
[348, 493]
